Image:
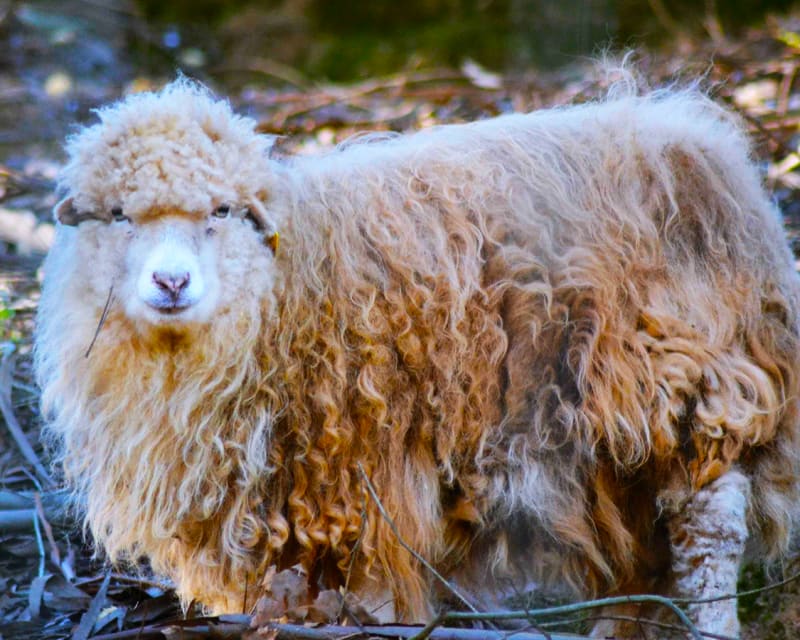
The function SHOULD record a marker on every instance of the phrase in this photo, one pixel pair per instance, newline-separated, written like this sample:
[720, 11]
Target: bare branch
[300, 632]
[740, 594]
[580, 606]
[639, 620]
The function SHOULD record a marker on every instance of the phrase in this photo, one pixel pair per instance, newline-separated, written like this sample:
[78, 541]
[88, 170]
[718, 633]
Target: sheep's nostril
[171, 283]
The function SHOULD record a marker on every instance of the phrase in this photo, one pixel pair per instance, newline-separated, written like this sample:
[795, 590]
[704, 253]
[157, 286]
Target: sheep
[561, 346]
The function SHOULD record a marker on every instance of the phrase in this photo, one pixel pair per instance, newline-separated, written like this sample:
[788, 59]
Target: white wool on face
[171, 249]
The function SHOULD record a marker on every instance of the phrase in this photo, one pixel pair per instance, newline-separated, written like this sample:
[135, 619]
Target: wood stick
[15, 510]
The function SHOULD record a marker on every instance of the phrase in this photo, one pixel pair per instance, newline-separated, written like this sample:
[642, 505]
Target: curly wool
[535, 334]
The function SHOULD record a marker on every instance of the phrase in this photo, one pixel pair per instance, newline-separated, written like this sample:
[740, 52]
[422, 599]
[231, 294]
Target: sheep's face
[167, 197]
[173, 268]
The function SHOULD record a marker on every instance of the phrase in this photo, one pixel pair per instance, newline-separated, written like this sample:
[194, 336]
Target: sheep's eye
[222, 211]
[118, 215]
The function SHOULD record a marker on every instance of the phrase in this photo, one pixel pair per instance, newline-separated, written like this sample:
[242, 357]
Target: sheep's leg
[707, 540]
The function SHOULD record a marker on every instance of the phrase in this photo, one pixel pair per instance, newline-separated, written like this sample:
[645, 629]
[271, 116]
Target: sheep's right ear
[66, 213]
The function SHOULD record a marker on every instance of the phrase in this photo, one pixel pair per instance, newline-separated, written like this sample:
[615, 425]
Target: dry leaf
[267, 610]
[285, 596]
[290, 586]
[325, 608]
[358, 611]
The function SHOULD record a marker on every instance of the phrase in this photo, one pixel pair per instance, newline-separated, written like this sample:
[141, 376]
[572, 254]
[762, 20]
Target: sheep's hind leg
[707, 540]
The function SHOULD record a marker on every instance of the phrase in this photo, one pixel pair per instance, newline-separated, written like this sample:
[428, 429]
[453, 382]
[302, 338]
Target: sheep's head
[167, 197]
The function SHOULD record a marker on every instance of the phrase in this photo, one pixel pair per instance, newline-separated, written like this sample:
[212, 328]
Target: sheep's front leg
[707, 539]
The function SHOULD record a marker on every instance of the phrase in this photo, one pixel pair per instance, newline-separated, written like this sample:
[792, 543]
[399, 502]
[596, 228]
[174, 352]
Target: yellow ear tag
[273, 241]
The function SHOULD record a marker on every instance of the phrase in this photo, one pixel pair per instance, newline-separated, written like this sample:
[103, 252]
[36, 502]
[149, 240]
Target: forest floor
[50, 585]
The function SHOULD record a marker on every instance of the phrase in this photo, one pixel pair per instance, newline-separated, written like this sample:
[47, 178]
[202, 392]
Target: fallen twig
[219, 628]
[18, 510]
[17, 520]
[639, 620]
[533, 614]
[740, 594]
[12, 500]
[300, 632]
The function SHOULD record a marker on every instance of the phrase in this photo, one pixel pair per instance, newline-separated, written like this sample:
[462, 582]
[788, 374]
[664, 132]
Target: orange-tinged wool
[537, 335]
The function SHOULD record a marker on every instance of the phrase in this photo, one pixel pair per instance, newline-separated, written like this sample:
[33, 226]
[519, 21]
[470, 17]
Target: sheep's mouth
[170, 308]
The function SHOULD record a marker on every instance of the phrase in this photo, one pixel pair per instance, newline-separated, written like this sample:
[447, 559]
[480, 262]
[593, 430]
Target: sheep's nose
[171, 283]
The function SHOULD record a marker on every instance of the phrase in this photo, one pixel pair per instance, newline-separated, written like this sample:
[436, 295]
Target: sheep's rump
[567, 319]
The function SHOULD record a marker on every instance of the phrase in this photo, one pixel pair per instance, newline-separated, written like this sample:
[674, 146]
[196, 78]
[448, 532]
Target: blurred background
[58, 59]
[314, 72]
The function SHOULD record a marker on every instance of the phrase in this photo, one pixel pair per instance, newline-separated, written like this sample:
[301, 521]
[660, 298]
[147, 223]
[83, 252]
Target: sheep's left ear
[266, 225]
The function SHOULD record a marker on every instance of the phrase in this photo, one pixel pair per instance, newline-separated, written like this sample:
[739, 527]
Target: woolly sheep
[562, 346]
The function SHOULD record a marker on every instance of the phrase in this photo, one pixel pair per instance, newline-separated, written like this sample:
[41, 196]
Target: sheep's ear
[265, 224]
[66, 213]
